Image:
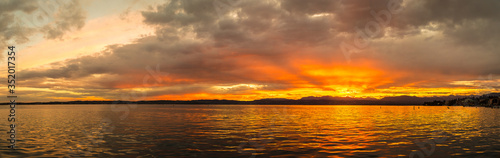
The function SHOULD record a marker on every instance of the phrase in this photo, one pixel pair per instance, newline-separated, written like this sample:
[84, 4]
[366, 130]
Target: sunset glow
[190, 50]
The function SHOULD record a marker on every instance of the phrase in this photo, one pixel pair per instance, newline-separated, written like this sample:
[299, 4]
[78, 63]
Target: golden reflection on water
[260, 130]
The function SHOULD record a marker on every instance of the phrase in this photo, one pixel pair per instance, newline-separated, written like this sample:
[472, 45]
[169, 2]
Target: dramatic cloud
[69, 16]
[216, 49]
[21, 20]
[10, 28]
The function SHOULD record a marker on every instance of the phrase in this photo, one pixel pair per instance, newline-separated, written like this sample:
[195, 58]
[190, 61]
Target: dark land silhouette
[324, 100]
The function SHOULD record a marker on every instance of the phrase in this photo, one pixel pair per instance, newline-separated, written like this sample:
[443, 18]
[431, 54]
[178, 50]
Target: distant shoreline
[235, 102]
[323, 100]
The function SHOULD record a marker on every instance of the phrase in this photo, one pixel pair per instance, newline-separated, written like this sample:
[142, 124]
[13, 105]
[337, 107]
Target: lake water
[251, 131]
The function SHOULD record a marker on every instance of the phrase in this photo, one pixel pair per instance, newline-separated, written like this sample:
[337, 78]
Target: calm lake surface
[251, 131]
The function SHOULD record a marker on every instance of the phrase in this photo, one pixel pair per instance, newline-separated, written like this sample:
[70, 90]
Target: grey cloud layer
[69, 15]
[8, 28]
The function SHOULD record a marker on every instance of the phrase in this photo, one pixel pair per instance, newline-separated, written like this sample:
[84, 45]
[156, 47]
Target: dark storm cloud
[421, 13]
[193, 12]
[310, 7]
[13, 5]
[465, 21]
[463, 42]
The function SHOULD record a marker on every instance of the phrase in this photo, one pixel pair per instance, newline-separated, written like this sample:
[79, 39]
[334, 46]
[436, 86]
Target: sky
[250, 49]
